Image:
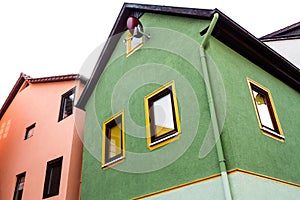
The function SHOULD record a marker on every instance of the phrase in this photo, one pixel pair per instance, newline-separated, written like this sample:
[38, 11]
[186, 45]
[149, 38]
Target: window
[113, 140]
[162, 118]
[132, 44]
[66, 106]
[29, 131]
[265, 110]
[19, 186]
[52, 178]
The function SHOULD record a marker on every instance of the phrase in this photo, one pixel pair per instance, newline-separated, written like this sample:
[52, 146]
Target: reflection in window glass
[67, 103]
[132, 44]
[19, 186]
[115, 140]
[265, 110]
[113, 145]
[29, 131]
[162, 118]
[52, 178]
[163, 115]
[135, 42]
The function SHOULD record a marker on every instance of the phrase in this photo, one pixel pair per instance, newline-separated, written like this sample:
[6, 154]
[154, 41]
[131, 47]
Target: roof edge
[120, 26]
[278, 38]
[23, 77]
[226, 30]
[67, 77]
[240, 40]
[277, 33]
[12, 94]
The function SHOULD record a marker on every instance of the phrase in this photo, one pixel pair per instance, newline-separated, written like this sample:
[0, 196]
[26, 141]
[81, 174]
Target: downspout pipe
[211, 102]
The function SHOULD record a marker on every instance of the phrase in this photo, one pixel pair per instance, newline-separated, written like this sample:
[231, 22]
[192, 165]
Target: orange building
[40, 139]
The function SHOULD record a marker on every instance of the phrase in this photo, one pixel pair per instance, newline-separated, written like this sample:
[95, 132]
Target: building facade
[40, 143]
[185, 104]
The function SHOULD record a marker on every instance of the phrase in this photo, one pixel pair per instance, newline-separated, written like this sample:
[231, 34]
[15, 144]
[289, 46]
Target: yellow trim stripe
[236, 170]
[178, 186]
[263, 176]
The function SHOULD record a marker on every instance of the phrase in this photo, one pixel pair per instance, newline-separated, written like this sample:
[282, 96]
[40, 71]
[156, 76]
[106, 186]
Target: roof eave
[23, 77]
[12, 94]
[120, 26]
[240, 40]
[68, 77]
[280, 38]
[281, 32]
[226, 30]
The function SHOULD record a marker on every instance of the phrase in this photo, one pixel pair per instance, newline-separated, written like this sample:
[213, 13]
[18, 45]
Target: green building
[184, 103]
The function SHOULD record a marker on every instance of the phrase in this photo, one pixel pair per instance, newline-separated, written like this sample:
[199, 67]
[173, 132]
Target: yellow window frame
[168, 136]
[130, 48]
[277, 133]
[111, 127]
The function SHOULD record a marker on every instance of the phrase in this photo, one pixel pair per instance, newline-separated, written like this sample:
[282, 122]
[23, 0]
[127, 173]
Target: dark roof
[23, 77]
[67, 77]
[226, 30]
[289, 32]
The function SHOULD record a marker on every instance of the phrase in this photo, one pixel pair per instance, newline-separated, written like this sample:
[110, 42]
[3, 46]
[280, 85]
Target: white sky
[46, 38]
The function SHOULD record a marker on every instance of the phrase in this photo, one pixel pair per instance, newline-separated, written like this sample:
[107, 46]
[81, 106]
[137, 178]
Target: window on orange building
[67, 103]
[19, 186]
[29, 131]
[52, 178]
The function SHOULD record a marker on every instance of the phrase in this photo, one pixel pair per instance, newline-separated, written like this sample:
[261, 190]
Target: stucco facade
[31, 135]
[222, 147]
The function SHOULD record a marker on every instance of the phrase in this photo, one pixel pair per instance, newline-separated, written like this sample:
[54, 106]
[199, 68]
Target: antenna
[135, 27]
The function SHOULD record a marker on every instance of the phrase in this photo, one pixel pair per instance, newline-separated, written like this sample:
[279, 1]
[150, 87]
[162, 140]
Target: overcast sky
[46, 38]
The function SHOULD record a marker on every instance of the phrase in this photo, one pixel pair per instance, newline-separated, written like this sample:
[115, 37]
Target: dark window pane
[52, 179]
[265, 114]
[67, 103]
[29, 131]
[19, 186]
[265, 110]
[113, 136]
[162, 117]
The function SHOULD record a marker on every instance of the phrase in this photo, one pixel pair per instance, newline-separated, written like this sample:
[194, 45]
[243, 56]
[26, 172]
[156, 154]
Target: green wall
[246, 147]
[172, 53]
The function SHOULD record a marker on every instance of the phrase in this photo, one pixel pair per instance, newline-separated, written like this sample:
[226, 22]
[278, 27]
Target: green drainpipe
[211, 102]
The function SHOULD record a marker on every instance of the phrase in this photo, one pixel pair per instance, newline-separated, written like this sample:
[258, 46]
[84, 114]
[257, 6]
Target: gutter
[211, 102]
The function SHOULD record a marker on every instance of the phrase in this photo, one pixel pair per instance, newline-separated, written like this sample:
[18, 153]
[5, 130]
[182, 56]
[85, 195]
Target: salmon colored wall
[39, 103]
[76, 157]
